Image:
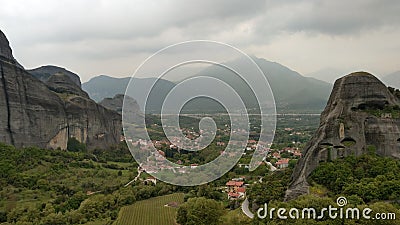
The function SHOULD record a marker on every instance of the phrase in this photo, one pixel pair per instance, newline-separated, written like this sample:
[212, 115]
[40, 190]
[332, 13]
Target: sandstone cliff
[34, 113]
[361, 115]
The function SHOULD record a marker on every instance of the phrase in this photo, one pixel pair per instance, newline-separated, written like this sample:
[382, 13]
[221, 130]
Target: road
[137, 177]
[246, 210]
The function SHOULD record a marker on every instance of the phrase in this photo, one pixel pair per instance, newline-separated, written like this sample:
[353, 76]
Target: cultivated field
[151, 211]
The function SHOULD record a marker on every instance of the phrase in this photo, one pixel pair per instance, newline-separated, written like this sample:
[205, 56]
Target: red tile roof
[235, 183]
[232, 194]
[241, 189]
[282, 161]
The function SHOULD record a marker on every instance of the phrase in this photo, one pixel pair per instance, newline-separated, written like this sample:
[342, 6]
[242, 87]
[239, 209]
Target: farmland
[150, 211]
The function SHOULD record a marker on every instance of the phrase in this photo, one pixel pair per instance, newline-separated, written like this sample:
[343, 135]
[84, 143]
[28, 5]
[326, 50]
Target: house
[236, 189]
[282, 163]
[246, 166]
[276, 155]
[297, 153]
[242, 192]
[220, 143]
[192, 166]
[233, 195]
[252, 142]
[150, 180]
[239, 178]
[161, 153]
[232, 186]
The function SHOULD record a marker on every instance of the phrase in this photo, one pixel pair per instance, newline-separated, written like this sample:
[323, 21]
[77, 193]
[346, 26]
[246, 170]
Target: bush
[74, 145]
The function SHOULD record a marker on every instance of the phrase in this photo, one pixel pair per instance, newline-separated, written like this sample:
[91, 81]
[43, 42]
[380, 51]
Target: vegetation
[200, 211]
[60, 187]
[273, 187]
[74, 145]
[366, 181]
[370, 177]
[395, 92]
[158, 211]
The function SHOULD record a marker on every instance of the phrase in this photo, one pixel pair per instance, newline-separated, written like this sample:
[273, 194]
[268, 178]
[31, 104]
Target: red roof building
[282, 163]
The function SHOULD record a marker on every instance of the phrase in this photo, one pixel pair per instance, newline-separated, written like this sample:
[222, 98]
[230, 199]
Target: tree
[200, 211]
[74, 145]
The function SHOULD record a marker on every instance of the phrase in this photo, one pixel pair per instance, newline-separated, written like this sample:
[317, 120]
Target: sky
[320, 38]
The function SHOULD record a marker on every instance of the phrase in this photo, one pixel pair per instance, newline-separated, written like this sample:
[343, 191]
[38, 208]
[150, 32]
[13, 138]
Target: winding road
[246, 210]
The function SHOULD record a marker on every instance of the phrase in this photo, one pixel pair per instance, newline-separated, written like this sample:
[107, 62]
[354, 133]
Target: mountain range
[292, 91]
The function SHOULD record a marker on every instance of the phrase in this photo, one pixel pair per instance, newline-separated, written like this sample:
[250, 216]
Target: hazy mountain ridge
[392, 80]
[292, 91]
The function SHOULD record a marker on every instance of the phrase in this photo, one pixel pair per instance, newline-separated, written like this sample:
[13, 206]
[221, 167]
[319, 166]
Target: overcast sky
[113, 37]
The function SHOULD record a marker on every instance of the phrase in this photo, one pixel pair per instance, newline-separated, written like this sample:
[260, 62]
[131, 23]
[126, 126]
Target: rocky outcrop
[45, 115]
[133, 115]
[62, 83]
[361, 115]
[44, 73]
[5, 50]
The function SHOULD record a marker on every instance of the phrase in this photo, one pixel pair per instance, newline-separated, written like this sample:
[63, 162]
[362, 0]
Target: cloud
[77, 32]
[345, 17]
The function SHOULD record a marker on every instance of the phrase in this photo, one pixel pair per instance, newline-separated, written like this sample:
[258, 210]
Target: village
[235, 189]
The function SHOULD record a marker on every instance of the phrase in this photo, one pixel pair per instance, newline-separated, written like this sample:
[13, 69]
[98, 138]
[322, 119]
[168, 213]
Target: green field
[150, 212]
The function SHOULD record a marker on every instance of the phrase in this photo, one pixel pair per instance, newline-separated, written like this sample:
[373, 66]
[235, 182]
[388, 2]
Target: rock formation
[46, 114]
[134, 115]
[43, 73]
[361, 115]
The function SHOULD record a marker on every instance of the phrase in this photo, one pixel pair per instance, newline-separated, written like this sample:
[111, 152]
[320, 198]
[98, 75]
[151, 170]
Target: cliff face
[5, 50]
[45, 115]
[361, 115]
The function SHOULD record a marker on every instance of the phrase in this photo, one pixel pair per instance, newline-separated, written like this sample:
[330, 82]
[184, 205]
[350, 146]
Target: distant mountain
[103, 86]
[328, 75]
[43, 73]
[292, 91]
[392, 80]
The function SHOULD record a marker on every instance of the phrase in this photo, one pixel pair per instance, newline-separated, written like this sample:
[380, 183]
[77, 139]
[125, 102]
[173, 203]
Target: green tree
[200, 211]
[74, 145]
